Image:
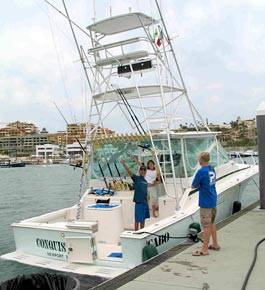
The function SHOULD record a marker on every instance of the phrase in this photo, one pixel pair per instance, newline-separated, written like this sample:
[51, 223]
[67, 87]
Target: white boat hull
[48, 245]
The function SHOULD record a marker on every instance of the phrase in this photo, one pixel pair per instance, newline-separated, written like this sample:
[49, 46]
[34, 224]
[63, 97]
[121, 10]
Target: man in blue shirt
[205, 180]
[141, 210]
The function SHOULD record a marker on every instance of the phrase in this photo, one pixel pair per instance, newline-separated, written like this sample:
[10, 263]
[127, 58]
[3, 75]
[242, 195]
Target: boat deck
[225, 269]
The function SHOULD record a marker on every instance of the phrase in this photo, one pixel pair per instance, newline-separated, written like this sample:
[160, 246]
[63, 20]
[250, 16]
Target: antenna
[94, 11]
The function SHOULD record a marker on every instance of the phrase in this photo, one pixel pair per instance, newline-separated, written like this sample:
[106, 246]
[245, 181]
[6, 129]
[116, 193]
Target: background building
[47, 150]
[22, 138]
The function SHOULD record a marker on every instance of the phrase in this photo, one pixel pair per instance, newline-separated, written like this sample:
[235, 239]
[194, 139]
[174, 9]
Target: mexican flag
[158, 36]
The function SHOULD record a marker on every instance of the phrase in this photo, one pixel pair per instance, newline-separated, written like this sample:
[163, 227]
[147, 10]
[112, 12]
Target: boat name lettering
[55, 255]
[159, 240]
[52, 245]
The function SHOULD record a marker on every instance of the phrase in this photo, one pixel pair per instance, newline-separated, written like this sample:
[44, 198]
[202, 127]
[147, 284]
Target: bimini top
[121, 23]
[131, 92]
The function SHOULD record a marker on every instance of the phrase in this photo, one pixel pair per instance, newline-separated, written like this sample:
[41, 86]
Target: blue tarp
[102, 205]
[102, 191]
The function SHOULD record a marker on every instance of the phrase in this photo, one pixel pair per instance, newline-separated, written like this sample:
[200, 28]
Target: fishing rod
[122, 97]
[102, 173]
[111, 174]
[129, 109]
[129, 106]
[120, 184]
[118, 172]
[77, 139]
[84, 168]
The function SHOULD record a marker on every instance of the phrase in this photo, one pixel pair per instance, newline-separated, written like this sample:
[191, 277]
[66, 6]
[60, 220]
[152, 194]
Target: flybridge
[122, 23]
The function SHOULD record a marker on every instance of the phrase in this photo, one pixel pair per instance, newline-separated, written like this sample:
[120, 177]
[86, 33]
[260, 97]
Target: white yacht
[138, 92]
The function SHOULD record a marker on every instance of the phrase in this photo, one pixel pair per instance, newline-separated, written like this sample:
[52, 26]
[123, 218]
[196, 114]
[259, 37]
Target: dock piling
[260, 118]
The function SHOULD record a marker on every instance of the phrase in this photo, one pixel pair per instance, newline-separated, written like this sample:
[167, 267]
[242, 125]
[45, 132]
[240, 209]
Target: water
[27, 192]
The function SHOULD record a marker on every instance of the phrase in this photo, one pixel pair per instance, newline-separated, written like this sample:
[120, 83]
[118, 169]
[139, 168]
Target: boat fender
[195, 226]
[236, 206]
[149, 251]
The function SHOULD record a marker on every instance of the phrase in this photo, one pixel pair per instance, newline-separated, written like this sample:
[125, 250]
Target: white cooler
[110, 221]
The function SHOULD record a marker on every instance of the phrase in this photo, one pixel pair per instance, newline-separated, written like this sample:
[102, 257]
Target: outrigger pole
[192, 108]
[80, 28]
[77, 46]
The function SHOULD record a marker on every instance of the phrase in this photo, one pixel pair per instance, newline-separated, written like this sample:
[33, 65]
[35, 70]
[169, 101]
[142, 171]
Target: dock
[238, 236]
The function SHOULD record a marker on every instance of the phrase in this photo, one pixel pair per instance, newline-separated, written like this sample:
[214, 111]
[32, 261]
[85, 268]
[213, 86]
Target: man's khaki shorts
[207, 216]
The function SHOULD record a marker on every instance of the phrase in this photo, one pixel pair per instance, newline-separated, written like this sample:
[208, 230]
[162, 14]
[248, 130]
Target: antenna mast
[94, 11]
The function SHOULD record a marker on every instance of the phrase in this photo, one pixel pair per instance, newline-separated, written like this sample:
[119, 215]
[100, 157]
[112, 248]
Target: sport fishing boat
[138, 93]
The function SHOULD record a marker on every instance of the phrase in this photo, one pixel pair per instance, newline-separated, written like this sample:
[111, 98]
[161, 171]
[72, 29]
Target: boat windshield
[107, 156]
[185, 152]
[192, 148]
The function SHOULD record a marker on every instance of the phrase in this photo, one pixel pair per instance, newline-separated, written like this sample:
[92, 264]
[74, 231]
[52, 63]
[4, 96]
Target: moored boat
[9, 164]
[248, 153]
[140, 92]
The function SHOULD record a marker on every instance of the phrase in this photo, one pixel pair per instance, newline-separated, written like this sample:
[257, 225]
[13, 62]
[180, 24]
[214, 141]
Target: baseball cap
[142, 167]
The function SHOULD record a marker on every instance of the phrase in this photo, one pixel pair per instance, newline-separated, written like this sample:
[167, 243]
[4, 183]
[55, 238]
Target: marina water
[28, 192]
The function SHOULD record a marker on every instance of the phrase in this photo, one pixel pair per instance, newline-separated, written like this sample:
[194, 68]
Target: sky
[219, 46]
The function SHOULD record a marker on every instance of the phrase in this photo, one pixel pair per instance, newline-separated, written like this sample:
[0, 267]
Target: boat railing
[239, 158]
[116, 44]
[66, 214]
[119, 59]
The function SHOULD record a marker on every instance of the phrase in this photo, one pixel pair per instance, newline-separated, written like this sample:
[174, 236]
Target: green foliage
[234, 124]
[242, 142]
